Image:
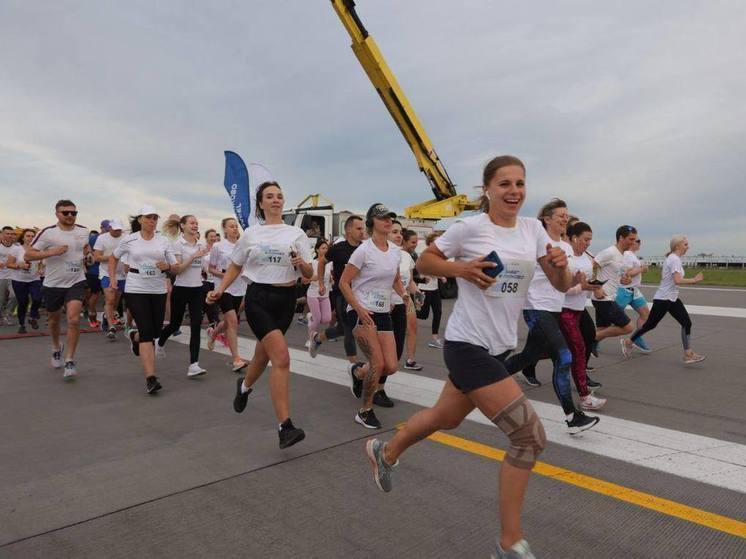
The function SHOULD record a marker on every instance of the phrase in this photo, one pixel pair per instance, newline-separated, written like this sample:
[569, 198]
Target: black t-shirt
[339, 254]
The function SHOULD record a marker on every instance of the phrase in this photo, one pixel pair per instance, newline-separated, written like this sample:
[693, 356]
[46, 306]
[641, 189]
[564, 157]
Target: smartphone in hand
[497, 270]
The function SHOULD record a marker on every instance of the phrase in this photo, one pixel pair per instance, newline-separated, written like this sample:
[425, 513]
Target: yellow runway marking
[639, 498]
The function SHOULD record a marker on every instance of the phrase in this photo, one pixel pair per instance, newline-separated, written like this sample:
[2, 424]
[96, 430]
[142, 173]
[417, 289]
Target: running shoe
[381, 470]
[625, 348]
[177, 333]
[222, 339]
[589, 369]
[590, 402]
[357, 384]
[641, 346]
[694, 358]
[34, 323]
[152, 385]
[104, 323]
[592, 384]
[237, 366]
[93, 323]
[290, 434]
[368, 419]
[240, 399]
[195, 370]
[160, 351]
[302, 321]
[581, 422]
[112, 334]
[70, 371]
[57, 357]
[211, 338]
[519, 550]
[531, 381]
[22, 329]
[435, 344]
[594, 348]
[135, 346]
[382, 400]
[313, 348]
[412, 365]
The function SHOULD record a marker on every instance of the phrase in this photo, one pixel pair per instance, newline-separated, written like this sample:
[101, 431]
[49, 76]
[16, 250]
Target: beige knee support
[519, 422]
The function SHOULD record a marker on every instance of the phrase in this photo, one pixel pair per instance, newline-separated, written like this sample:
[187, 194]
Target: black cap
[379, 210]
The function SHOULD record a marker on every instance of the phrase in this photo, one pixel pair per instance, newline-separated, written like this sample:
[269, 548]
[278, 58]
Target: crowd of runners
[369, 288]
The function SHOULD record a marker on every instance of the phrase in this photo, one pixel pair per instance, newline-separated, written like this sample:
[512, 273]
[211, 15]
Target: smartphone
[497, 270]
[596, 282]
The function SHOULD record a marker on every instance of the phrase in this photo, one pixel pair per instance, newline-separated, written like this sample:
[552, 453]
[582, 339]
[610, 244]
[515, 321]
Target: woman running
[431, 289]
[409, 244]
[149, 256]
[481, 332]
[666, 300]
[317, 297]
[271, 255]
[630, 294]
[231, 298]
[25, 281]
[366, 283]
[401, 312]
[187, 289]
[208, 284]
[581, 266]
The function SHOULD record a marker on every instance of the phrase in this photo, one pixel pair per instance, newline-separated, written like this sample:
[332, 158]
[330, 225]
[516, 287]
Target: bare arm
[320, 271]
[681, 280]
[13, 264]
[432, 262]
[231, 273]
[33, 254]
[554, 265]
[113, 261]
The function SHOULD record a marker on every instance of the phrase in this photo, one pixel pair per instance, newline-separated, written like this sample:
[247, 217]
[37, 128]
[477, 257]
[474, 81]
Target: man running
[7, 299]
[113, 288]
[64, 247]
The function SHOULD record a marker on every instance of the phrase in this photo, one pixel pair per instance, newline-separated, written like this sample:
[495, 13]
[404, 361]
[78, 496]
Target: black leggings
[676, 309]
[212, 311]
[588, 330]
[342, 327]
[399, 321]
[180, 298]
[148, 310]
[432, 299]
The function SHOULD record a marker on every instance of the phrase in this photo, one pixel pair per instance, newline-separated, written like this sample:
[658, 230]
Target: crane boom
[447, 202]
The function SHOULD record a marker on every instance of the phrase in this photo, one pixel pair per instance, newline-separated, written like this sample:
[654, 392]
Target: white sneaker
[693, 358]
[70, 371]
[592, 402]
[160, 351]
[519, 550]
[195, 370]
[57, 357]
[435, 344]
[625, 348]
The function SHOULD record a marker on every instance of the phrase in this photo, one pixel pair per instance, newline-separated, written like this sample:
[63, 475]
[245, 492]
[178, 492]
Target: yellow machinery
[447, 202]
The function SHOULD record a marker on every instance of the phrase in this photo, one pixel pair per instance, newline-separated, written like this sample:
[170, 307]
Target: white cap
[116, 225]
[147, 210]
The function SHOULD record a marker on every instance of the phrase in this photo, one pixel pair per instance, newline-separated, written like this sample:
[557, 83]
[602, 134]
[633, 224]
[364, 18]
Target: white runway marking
[703, 459]
[731, 289]
[728, 312]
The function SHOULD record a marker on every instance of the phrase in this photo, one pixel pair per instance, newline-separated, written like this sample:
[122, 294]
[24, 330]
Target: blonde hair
[676, 240]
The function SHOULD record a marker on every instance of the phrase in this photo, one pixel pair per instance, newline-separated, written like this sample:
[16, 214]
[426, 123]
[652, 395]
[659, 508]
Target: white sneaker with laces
[160, 351]
[70, 371]
[625, 348]
[195, 370]
[519, 550]
[56, 360]
[435, 344]
[592, 402]
[693, 358]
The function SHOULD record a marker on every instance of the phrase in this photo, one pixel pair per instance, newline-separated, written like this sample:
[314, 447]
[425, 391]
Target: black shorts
[269, 307]
[471, 366]
[228, 302]
[382, 320]
[148, 311]
[608, 313]
[94, 284]
[56, 297]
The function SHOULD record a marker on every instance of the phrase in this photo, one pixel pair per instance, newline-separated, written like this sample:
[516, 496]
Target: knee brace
[519, 422]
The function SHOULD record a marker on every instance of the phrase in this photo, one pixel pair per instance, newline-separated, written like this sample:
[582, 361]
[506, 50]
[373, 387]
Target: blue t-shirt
[93, 268]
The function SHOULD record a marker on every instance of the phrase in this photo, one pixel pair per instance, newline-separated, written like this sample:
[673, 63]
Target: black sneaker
[581, 422]
[531, 381]
[152, 385]
[290, 434]
[368, 419]
[412, 366]
[592, 384]
[239, 402]
[594, 348]
[21, 329]
[134, 345]
[34, 323]
[112, 334]
[357, 384]
[381, 399]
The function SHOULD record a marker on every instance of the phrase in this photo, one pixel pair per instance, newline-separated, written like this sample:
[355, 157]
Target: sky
[632, 112]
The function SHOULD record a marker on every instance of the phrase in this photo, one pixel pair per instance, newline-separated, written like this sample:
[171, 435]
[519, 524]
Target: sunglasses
[68, 213]
[151, 216]
[638, 241]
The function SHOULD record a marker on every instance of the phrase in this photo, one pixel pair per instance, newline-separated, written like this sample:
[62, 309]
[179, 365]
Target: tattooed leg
[367, 340]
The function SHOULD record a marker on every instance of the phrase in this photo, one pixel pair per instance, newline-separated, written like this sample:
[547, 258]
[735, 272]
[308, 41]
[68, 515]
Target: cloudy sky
[633, 112]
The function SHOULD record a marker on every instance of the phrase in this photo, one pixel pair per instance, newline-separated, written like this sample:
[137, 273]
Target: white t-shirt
[313, 287]
[406, 265]
[264, 253]
[541, 295]
[5, 251]
[631, 261]
[668, 290]
[63, 270]
[192, 276]
[206, 269]
[142, 256]
[372, 286]
[430, 285]
[490, 318]
[582, 263]
[106, 244]
[25, 276]
[612, 270]
[220, 257]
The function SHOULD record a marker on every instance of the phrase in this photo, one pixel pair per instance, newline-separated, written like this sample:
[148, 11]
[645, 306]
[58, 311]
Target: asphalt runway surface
[96, 468]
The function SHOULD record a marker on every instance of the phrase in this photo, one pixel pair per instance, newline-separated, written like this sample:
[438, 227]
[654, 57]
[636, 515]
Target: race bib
[273, 256]
[379, 300]
[197, 262]
[148, 270]
[514, 280]
[72, 266]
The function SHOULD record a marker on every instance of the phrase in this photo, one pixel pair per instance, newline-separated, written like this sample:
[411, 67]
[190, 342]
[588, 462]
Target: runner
[319, 305]
[94, 284]
[338, 255]
[270, 255]
[610, 319]
[7, 297]
[113, 290]
[480, 333]
[212, 311]
[431, 289]
[187, 290]
[666, 300]
[542, 315]
[232, 297]
[400, 311]
[581, 266]
[630, 294]
[26, 282]
[409, 244]
[64, 248]
[366, 283]
[149, 256]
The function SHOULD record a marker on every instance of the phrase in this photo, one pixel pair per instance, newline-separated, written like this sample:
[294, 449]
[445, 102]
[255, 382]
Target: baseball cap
[105, 224]
[147, 210]
[116, 225]
[379, 210]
